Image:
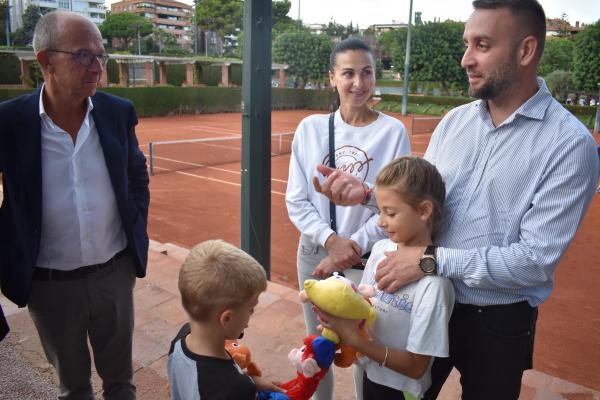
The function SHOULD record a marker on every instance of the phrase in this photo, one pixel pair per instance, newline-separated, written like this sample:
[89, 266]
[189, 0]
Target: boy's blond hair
[216, 276]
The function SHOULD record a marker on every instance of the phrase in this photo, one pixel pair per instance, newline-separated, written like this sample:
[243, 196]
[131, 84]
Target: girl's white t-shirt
[413, 319]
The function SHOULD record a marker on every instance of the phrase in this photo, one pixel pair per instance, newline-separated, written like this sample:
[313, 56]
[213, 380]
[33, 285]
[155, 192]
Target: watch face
[428, 265]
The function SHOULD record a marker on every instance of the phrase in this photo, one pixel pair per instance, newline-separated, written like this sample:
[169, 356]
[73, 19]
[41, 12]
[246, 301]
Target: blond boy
[220, 285]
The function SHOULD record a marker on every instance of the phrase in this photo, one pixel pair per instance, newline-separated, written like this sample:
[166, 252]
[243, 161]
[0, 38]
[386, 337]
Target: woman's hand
[340, 187]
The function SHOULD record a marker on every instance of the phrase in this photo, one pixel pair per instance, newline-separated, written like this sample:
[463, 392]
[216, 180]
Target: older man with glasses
[73, 221]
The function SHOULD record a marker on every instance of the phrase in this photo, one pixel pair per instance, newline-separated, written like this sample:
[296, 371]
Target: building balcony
[163, 21]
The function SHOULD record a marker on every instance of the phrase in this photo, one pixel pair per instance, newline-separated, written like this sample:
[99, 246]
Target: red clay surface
[191, 204]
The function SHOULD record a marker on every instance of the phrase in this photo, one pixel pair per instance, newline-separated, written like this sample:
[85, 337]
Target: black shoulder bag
[332, 215]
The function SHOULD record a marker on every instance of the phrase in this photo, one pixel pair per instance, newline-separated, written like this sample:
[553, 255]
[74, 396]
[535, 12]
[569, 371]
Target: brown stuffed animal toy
[241, 355]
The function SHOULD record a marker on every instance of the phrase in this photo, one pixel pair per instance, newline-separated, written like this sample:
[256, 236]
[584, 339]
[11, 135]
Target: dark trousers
[98, 308]
[375, 391]
[490, 347]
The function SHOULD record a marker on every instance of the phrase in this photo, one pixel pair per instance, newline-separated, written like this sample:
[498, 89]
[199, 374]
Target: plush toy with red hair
[312, 361]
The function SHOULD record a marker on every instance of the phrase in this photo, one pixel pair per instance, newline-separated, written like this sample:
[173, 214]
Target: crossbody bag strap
[332, 216]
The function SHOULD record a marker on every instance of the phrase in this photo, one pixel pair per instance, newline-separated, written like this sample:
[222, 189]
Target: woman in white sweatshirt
[364, 141]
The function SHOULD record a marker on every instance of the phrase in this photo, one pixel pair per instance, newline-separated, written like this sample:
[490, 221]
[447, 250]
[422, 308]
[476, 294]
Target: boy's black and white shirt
[195, 377]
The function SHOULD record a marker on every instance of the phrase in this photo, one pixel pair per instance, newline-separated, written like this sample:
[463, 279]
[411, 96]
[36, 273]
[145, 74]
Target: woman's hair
[216, 276]
[350, 44]
[416, 180]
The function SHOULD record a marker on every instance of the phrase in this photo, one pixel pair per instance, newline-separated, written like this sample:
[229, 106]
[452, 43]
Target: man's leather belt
[48, 274]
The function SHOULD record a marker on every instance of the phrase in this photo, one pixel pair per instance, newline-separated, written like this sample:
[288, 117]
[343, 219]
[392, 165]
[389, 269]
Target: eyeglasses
[85, 58]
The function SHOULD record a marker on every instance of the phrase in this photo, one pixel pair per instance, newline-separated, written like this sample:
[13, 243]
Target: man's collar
[90, 105]
[535, 107]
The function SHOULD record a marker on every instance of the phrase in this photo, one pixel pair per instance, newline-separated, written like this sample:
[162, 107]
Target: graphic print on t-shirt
[352, 160]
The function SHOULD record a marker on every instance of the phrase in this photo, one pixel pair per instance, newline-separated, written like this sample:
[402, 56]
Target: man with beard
[520, 171]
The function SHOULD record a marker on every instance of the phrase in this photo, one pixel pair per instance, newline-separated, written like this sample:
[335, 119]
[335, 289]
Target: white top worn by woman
[361, 151]
[414, 318]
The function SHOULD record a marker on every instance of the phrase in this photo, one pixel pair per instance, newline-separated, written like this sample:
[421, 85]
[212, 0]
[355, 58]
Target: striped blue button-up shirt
[516, 194]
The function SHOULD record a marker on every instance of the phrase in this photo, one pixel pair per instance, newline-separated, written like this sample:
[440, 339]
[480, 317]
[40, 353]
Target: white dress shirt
[81, 224]
[516, 194]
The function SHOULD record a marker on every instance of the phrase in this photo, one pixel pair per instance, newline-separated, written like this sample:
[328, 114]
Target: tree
[124, 27]
[306, 54]
[24, 35]
[558, 55]
[225, 17]
[563, 26]
[559, 83]
[281, 21]
[418, 20]
[335, 30]
[586, 58]
[436, 52]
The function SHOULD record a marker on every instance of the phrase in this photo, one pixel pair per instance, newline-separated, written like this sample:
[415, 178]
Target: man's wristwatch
[428, 262]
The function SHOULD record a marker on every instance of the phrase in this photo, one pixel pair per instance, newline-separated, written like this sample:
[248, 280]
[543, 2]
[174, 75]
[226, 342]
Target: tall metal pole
[597, 122]
[256, 133]
[195, 27]
[406, 62]
[298, 22]
[7, 25]
[138, 40]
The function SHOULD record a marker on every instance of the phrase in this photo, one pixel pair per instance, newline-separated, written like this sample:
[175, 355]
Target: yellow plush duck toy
[339, 296]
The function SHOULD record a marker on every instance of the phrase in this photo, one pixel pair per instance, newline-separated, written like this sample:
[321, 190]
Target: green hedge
[7, 94]
[286, 98]
[157, 101]
[388, 83]
[439, 100]
[434, 105]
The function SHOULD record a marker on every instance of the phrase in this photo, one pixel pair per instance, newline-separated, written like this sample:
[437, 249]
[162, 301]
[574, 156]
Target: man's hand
[340, 187]
[343, 253]
[399, 268]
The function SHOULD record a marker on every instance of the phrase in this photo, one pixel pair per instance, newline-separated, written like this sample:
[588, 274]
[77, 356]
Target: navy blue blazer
[21, 167]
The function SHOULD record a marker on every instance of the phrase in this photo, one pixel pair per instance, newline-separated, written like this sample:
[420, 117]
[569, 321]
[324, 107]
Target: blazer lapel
[104, 121]
[30, 153]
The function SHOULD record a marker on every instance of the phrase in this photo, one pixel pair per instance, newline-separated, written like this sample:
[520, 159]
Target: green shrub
[236, 74]
[210, 74]
[112, 71]
[176, 74]
[10, 69]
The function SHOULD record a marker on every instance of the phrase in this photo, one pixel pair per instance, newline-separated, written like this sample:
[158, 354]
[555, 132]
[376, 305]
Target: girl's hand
[263, 384]
[325, 268]
[347, 329]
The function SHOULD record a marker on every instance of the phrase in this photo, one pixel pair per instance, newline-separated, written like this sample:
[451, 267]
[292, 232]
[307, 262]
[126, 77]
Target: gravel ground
[19, 380]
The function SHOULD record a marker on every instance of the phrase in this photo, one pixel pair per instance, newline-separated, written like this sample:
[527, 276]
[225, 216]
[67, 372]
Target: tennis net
[177, 155]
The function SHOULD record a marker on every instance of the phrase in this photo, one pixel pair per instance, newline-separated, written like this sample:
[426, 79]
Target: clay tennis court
[192, 201]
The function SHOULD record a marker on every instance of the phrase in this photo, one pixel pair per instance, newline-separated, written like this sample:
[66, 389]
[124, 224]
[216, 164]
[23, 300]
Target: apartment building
[171, 16]
[95, 10]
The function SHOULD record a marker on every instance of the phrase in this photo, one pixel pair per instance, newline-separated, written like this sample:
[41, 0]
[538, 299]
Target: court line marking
[203, 166]
[212, 179]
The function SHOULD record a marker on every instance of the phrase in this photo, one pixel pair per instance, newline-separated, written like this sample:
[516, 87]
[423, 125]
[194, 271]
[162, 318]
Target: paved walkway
[275, 328]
